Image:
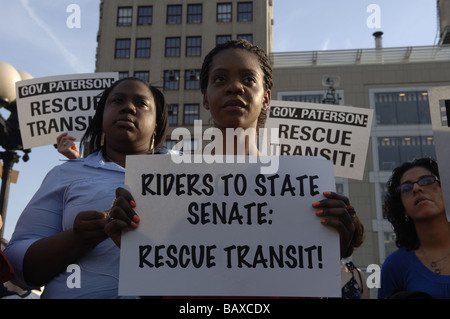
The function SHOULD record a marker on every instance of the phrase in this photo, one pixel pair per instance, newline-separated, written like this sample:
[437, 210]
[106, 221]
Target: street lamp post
[10, 138]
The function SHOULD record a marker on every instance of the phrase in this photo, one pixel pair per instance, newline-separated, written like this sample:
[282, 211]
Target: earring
[152, 147]
[407, 219]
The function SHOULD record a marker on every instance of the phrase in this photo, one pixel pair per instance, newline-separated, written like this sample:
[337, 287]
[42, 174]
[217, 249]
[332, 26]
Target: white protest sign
[439, 100]
[225, 229]
[49, 106]
[337, 133]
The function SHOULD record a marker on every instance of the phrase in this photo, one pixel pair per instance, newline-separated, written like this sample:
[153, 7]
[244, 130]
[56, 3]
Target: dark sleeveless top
[351, 289]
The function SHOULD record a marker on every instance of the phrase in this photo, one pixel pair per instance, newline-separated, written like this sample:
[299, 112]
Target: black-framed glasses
[426, 180]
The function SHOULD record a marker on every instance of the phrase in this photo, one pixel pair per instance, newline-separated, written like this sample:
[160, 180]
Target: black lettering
[287, 186]
[259, 258]
[57, 103]
[283, 130]
[179, 184]
[260, 178]
[207, 180]
[143, 253]
[192, 180]
[146, 180]
[66, 124]
[192, 208]
[173, 261]
[35, 110]
[312, 186]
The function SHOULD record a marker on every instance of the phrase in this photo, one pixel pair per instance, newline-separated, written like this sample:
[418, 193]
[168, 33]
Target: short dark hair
[244, 45]
[394, 211]
[93, 137]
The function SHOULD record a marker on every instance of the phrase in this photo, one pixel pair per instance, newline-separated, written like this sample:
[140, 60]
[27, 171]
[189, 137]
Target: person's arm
[40, 246]
[49, 256]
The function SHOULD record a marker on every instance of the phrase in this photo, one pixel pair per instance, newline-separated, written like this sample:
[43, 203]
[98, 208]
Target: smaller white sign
[50, 106]
[337, 133]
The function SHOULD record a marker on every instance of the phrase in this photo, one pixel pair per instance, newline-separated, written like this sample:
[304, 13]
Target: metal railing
[361, 56]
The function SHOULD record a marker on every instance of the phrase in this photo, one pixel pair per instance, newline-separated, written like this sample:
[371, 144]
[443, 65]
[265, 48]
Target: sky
[36, 38]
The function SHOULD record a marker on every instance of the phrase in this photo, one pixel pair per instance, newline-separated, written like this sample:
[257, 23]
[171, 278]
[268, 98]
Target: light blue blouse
[68, 189]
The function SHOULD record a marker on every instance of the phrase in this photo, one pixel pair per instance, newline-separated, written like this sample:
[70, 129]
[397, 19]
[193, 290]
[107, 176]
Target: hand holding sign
[121, 216]
[67, 147]
[334, 211]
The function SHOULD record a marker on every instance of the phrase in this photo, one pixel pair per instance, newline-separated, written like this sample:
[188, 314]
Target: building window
[192, 80]
[394, 108]
[124, 16]
[123, 74]
[248, 37]
[145, 15]
[143, 48]
[193, 46]
[171, 80]
[189, 146]
[173, 47]
[143, 75]
[220, 39]
[191, 113]
[245, 11]
[395, 150]
[194, 13]
[172, 110]
[170, 144]
[224, 12]
[309, 98]
[174, 14]
[122, 49]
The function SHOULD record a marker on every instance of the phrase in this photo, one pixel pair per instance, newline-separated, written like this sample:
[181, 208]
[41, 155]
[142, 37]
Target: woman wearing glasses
[414, 205]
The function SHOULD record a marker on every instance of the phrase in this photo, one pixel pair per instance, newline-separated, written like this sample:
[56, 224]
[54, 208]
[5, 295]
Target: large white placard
[338, 133]
[228, 230]
[439, 100]
[49, 106]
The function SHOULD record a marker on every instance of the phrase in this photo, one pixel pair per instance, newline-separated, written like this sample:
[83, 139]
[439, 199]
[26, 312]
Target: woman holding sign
[236, 79]
[236, 82]
[60, 240]
[415, 206]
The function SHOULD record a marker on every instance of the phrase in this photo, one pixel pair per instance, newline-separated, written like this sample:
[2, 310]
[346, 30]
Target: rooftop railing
[361, 56]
